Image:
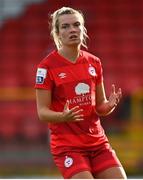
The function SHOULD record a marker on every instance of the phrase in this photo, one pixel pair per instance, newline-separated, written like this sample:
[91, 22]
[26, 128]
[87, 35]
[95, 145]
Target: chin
[75, 43]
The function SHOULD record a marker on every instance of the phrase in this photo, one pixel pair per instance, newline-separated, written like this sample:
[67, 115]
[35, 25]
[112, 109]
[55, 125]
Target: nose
[72, 29]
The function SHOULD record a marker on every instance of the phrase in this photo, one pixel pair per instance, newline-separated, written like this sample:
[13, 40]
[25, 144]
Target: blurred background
[115, 28]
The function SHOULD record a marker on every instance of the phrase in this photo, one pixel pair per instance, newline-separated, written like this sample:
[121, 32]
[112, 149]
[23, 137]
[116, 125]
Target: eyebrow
[69, 23]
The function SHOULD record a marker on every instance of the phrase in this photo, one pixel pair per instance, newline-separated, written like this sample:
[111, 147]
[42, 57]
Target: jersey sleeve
[99, 72]
[43, 78]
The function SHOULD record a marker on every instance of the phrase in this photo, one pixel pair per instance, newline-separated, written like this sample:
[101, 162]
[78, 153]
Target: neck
[69, 53]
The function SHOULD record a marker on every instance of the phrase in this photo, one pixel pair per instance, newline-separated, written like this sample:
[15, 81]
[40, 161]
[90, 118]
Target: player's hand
[73, 114]
[114, 97]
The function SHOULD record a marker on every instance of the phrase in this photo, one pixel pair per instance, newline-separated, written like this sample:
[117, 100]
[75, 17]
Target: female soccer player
[70, 97]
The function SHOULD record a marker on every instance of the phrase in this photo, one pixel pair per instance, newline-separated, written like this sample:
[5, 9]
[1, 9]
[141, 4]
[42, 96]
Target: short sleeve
[99, 72]
[43, 78]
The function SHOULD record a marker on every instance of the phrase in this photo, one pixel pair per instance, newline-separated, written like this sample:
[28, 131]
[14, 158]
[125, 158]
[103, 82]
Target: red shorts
[73, 162]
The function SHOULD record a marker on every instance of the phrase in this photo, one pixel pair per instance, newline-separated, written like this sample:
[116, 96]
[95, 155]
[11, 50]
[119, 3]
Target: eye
[77, 24]
[64, 26]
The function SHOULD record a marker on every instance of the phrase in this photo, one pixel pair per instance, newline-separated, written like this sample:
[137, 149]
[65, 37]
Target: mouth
[72, 37]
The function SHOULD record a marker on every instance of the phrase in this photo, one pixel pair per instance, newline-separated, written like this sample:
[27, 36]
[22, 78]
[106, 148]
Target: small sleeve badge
[41, 75]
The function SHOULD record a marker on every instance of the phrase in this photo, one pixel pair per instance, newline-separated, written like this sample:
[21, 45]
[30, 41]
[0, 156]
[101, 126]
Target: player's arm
[105, 106]
[43, 99]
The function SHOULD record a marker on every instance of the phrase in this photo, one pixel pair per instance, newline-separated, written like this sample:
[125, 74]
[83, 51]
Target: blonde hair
[55, 24]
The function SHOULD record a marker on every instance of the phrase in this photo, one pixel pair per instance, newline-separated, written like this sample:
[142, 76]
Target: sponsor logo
[81, 100]
[68, 161]
[83, 96]
[82, 89]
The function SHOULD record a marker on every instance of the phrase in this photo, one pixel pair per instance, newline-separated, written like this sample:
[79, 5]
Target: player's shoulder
[48, 60]
[91, 57]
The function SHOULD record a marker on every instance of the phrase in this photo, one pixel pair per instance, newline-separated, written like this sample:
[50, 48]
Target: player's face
[70, 30]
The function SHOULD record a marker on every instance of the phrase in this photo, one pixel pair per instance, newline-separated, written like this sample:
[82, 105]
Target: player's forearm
[104, 109]
[47, 115]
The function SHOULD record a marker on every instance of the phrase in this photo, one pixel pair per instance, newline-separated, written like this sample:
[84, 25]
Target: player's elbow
[100, 113]
[101, 110]
[42, 115]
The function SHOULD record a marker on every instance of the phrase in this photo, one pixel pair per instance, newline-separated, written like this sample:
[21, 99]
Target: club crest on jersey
[92, 71]
[68, 161]
[41, 75]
